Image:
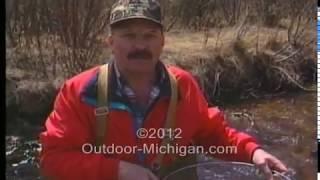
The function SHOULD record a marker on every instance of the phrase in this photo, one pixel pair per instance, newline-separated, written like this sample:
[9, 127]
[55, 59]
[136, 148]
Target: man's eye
[149, 36]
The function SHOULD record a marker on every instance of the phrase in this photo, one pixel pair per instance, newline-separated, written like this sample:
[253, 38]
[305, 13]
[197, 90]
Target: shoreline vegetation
[232, 72]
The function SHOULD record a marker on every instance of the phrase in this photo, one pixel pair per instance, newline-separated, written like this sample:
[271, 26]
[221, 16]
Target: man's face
[136, 45]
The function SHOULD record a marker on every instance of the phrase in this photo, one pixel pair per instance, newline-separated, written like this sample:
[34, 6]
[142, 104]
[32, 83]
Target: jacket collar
[89, 93]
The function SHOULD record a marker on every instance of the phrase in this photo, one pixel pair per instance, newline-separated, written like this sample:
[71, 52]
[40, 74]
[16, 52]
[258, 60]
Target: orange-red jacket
[71, 124]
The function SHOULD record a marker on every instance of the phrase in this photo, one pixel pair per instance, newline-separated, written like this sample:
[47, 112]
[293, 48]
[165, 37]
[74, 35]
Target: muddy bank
[28, 102]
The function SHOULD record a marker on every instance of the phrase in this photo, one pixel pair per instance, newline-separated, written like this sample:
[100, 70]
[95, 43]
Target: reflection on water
[285, 126]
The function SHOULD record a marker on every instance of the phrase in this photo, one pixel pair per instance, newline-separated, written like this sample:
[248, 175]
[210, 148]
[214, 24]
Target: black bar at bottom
[318, 153]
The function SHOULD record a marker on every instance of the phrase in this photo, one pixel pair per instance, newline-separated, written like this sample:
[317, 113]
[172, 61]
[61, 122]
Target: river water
[286, 127]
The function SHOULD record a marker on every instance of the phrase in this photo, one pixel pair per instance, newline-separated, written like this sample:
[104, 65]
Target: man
[140, 92]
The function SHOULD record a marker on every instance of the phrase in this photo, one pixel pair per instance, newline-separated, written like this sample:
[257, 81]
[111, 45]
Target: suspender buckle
[101, 111]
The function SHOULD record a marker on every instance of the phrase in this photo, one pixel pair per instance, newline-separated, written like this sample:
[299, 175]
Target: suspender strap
[169, 124]
[102, 110]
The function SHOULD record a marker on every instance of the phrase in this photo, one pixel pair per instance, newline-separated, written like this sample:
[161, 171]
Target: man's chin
[141, 60]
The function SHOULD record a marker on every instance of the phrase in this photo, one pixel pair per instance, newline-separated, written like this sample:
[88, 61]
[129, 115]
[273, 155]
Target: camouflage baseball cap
[130, 9]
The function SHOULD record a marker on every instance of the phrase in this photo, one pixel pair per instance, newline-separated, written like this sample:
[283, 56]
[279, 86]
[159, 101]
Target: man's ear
[163, 40]
[109, 41]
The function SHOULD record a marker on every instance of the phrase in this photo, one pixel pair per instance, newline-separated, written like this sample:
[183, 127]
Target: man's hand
[266, 162]
[129, 171]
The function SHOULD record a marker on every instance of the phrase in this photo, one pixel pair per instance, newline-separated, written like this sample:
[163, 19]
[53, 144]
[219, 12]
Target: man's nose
[140, 43]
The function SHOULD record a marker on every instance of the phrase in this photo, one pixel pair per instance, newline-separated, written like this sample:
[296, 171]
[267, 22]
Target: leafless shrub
[300, 18]
[51, 33]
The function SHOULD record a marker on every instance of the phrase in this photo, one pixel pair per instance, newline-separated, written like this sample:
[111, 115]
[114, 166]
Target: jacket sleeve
[68, 128]
[215, 133]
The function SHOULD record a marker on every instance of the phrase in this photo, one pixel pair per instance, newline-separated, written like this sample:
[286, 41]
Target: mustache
[140, 54]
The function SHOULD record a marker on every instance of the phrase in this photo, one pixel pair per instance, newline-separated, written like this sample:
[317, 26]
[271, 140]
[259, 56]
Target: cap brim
[136, 17]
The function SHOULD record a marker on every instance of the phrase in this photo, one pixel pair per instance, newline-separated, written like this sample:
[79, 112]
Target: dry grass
[193, 42]
[259, 62]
